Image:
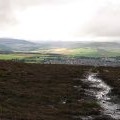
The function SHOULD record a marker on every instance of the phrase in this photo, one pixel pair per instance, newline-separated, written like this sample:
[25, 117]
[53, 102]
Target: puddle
[102, 91]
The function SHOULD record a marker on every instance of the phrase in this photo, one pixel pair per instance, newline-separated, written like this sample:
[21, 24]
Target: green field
[14, 56]
[26, 57]
[86, 52]
[10, 56]
[59, 53]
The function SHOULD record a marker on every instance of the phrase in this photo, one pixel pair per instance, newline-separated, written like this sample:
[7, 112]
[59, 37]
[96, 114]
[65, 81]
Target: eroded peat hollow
[58, 92]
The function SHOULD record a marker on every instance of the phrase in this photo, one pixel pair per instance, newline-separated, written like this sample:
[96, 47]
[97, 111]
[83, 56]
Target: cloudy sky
[60, 19]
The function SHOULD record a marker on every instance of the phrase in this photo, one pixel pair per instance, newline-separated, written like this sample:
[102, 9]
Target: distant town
[86, 61]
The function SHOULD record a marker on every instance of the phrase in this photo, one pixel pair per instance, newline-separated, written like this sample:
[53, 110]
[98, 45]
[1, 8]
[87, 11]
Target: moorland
[50, 92]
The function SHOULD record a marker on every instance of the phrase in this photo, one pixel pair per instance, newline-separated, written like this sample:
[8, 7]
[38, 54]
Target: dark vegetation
[111, 76]
[44, 92]
[49, 92]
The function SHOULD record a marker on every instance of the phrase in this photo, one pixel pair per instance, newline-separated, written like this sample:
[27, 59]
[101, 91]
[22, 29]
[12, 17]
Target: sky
[65, 20]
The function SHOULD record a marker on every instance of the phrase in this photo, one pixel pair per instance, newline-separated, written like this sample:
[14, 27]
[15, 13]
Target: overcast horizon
[60, 20]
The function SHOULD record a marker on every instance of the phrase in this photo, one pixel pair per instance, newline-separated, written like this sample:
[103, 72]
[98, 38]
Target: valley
[59, 80]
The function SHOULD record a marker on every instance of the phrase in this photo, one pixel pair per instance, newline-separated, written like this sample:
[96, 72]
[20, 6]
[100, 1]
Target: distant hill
[79, 44]
[4, 48]
[88, 49]
[16, 45]
[62, 47]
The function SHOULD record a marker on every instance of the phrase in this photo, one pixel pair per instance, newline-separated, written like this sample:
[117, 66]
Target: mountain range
[7, 44]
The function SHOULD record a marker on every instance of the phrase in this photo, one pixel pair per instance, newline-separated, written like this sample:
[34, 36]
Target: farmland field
[13, 56]
[45, 54]
[87, 52]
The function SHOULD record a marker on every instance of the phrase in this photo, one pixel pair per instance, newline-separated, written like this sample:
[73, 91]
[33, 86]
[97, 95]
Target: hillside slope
[16, 45]
[43, 92]
[77, 48]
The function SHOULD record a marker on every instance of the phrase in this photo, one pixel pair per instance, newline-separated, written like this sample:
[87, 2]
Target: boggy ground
[111, 75]
[45, 92]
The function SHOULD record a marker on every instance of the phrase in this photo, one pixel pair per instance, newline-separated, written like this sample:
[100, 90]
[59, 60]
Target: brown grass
[35, 91]
[111, 75]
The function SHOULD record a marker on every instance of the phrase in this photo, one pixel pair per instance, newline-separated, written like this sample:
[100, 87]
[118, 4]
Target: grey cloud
[5, 11]
[106, 22]
[34, 2]
[7, 8]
